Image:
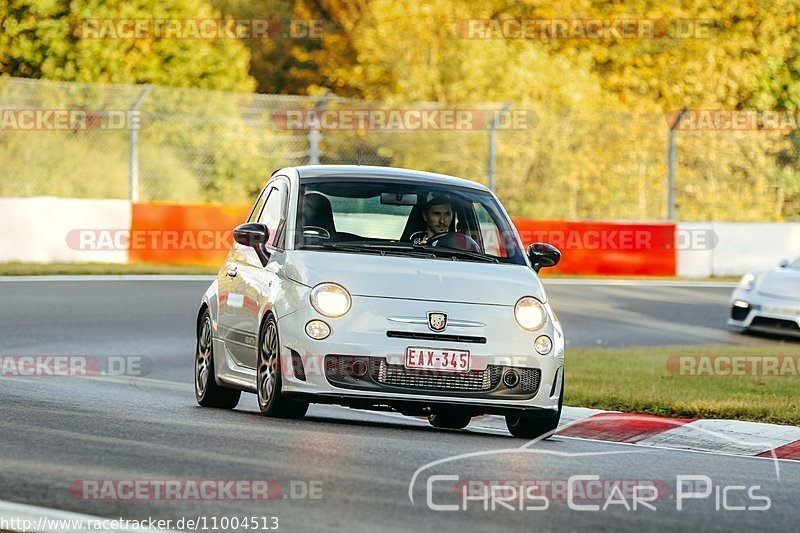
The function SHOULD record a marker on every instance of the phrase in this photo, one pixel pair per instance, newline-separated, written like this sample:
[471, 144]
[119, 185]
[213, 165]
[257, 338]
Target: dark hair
[436, 199]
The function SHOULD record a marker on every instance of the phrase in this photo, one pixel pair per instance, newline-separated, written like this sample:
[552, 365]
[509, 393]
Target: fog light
[510, 379]
[359, 369]
[318, 330]
[543, 344]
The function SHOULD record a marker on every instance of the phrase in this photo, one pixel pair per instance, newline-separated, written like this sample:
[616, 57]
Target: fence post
[493, 139]
[671, 166]
[133, 161]
[314, 135]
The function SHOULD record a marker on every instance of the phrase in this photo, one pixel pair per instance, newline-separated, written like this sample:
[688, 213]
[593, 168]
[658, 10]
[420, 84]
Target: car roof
[335, 172]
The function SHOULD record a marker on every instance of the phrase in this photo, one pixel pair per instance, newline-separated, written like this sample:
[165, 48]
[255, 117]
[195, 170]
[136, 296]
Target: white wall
[738, 247]
[36, 230]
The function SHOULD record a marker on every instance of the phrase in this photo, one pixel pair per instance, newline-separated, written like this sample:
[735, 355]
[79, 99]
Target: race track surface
[359, 465]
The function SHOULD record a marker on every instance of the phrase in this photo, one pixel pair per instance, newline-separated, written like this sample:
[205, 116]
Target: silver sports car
[382, 288]
[768, 299]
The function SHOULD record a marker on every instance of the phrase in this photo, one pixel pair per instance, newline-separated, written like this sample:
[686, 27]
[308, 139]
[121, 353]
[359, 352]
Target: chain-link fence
[166, 144]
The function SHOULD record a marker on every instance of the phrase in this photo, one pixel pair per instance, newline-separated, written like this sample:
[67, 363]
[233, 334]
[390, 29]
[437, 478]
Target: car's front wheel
[268, 377]
[206, 390]
[533, 427]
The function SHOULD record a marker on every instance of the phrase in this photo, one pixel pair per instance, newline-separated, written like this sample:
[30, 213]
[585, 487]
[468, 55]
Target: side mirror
[253, 235]
[784, 263]
[543, 255]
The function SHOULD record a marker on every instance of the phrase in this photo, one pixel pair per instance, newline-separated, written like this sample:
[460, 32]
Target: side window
[258, 205]
[272, 215]
[490, 233]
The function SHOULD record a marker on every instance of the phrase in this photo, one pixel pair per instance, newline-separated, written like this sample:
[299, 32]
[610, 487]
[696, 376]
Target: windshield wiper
[340, 247]
[430, 251]
[455, 252]
[372, 248]
[401, 248]
[413, 250]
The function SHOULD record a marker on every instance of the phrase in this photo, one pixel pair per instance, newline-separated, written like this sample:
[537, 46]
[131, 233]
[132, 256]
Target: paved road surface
[58, 431]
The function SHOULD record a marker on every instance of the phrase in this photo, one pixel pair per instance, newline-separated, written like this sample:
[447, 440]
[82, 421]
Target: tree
[49, 39]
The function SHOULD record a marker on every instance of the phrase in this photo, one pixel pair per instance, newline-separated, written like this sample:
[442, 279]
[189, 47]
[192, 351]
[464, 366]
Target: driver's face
[438, 218]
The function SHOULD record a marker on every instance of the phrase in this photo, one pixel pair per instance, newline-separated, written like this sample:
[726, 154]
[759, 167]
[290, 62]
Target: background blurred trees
[598, 148]
[44, 39]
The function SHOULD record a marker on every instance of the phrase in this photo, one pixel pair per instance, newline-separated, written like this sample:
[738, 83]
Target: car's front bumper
[755, 311]
[320, 370]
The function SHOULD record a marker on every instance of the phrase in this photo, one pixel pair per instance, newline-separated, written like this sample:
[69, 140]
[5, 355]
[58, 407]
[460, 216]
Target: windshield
[405, 219]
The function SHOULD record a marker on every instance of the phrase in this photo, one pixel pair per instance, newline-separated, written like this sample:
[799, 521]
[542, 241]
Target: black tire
[533, 427]
[206, 390]
[268, 377]
[449, 420]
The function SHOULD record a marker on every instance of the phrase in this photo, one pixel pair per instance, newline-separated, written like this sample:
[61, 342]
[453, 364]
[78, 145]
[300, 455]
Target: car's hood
[781, 283]
[438, 280]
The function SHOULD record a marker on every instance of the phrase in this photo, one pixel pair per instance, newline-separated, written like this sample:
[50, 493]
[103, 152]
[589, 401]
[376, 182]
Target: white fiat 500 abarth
[382, 288]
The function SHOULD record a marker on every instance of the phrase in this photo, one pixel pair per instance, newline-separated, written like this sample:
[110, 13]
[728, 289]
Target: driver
[438, 215]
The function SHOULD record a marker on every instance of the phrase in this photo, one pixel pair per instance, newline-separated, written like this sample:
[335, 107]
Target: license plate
[438, 359]
[781, 310]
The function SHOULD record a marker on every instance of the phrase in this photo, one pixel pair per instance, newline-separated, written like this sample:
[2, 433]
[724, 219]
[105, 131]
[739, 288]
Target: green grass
[639, 380]
[57, 269]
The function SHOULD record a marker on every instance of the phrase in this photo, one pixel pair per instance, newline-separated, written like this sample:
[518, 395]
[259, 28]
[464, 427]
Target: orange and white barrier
[43, 230]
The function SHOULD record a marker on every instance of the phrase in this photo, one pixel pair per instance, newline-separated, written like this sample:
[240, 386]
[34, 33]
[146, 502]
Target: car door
[234, 324]
[258, 280]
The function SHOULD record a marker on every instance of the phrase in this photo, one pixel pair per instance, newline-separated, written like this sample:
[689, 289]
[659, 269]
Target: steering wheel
[434, 239]
[455, 241]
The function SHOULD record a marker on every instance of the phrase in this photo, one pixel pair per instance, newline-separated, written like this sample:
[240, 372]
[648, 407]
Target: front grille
[529, 379]
[474, 380]
[435, 337]
[775, 323]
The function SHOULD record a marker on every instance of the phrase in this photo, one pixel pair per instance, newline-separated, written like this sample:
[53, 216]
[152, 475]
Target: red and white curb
[731, 437]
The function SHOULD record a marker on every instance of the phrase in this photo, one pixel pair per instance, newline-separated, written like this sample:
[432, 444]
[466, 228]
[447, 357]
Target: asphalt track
[55, 432]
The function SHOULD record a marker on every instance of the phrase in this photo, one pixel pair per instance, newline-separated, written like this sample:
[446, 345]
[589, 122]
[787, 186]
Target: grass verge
[60, 269]
[686, 381]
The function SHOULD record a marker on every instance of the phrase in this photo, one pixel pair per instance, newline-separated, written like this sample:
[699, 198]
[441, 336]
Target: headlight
[330, 299]
[747, 282]
[530, 313]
